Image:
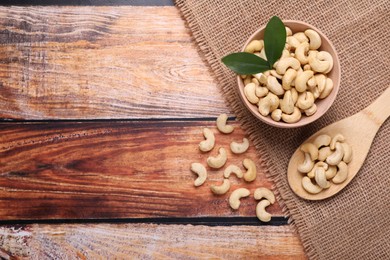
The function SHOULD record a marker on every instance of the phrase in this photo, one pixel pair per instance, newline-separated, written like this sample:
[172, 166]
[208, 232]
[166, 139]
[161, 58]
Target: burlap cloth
[355, 223]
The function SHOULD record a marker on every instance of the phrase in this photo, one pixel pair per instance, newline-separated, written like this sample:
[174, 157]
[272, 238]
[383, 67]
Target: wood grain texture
[101, 62]
[114, 170]
[148, 241]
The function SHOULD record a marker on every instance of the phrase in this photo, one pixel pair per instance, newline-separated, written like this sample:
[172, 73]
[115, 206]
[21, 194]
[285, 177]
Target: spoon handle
[379, 111]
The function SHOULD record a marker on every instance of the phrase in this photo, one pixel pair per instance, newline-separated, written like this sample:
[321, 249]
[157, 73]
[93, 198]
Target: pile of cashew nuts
[217, 162]
[326, 159]
[298, 79]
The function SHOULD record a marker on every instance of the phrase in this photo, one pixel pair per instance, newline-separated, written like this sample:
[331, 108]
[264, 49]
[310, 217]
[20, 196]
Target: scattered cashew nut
[261, 214]
[222, 126]
[261, 193]
[221, 189]
[251, 172]
[236, 195]
[201, 171]
[233, 169]
[219, 160]
[238, 148]
[208, 144]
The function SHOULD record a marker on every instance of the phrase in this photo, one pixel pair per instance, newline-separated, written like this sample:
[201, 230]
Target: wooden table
[102, 109]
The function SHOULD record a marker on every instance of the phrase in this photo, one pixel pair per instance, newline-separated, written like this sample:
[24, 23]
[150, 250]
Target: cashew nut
[331, 172]
[311, 83]
[255, 80]
[251, 172]
[341, 174]
[311, 174]
[262, 54]
[294, 94]
[321, 81]
[288, 78]
[285, 63]
[323, 153]
[301, 53]
[250, 93]
[322, 140]
[288, 31]
[319, 65]
[255, 45]
[328, 88]
[219, 160]
[233, 169]
[336, 157]
[238, 148]
[276, 115]
[261, 78]
[347, 153]
[285, 54]
[268, 104]
[309, 186]
[274, 86]
[337, 138]
[314, 39]
[287, 103]
[293, 118]
[201, 171]
[261, 214]
[311, 111]
[292, 41]
[261, 91]
[320, 178]
[305, 100]
[311, 149]
[301, 37]
[301, 80]
[234, 199]
[208, 144]
[247, 81]
[325, 56]
[221, 189]
[307, 164]
[222, 126]
[275, 74]
[261, 193]
[307, 67]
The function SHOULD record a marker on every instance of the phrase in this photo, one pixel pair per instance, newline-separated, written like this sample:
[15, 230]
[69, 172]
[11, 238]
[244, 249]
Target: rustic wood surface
[60, 63]
[149, 241]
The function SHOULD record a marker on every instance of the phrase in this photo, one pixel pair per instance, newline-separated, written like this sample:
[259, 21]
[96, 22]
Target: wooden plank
[149, 241]
[109, 169]
[101, 62]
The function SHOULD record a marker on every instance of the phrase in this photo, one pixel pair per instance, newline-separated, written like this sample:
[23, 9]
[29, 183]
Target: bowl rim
[268, 120]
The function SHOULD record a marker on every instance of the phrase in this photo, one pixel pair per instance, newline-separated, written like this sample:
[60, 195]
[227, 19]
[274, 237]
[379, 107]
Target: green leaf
[244, 63]
[274, 40]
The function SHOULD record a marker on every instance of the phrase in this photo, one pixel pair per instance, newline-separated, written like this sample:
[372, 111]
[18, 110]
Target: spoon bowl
[359, 131]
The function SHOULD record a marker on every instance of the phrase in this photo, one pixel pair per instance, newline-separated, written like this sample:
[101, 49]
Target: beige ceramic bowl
[322, 104]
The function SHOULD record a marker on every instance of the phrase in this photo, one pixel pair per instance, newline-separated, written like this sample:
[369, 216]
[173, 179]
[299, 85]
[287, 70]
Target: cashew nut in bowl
[307, 164]
[250, 93]
[255, 45]
[337, 138]
[336, 157]
[238, 148]
[233, 169]
[325, 56]
[301, 80]
[287, 103]
[322, 140]
[312, 173]
[275, 74]
[301, 37]
[301, 53]
[261, 78]
[321, 82]
[318, 65]
[294, 94]
[323, 153]
[222, 126]
[268, 104]
[311, 149]
[341, 174]
[328, 88]
[285, 54]
[261, 214]
[265, 193]
[274, 86]
[288, 78]
[221, 189]
[293, 118]
[314, 39]
[201, 171]
[293, 42]
[208, 144]
[218, 161]
[309, 186]
[236, 195]
[311, 111]
[285, 63]
[288, 31]
[347, 153]
[320, 178]
[331, 172]
[276, 115]
[261, 91]
[305, 100]
[251, 172]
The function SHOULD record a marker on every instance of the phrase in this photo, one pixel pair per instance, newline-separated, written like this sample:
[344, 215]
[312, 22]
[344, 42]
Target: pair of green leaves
[244, 63]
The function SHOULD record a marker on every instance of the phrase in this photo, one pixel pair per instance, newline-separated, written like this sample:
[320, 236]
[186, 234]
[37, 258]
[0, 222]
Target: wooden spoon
[359, 131]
